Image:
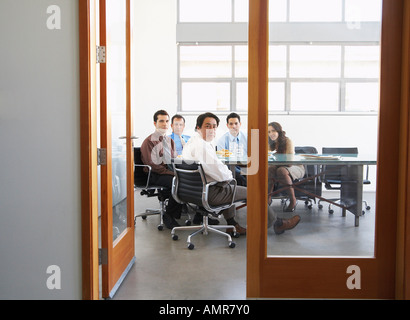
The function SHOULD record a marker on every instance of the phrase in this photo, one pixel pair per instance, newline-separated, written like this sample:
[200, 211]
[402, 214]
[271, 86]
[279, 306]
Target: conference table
[351, 188]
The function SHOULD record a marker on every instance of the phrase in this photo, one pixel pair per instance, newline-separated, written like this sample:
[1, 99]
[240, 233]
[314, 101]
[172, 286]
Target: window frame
[234, 36]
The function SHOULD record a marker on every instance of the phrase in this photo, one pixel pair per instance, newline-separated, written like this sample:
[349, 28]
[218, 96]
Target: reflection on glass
[116, 102]
[205, 96]
[324, 83]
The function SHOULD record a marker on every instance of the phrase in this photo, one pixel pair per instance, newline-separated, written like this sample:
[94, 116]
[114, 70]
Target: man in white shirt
[236, 142]
[200, 148]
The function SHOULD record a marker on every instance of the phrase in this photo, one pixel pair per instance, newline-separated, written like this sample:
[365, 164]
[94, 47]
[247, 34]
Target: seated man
[178, 126]
[157, 150]
[235, 141]
[200, 148]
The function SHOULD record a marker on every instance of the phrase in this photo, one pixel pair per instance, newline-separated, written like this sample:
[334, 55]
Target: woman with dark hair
[280, 143]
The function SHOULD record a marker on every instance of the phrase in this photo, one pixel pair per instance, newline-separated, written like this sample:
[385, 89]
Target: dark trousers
[165, 180]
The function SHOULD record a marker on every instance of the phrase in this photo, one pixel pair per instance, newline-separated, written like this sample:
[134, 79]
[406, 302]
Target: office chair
[313, 185]
[141, 181]
[190, 187]
[332, 179]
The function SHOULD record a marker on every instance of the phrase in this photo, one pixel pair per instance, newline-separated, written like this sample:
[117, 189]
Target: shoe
[198, 219]
[289, 209]
[281, 225]
[239, 230]
[169, 221]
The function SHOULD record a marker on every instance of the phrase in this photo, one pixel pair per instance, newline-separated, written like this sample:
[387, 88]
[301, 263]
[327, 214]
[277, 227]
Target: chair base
[205, 228]
[331, 211]
[151, 212]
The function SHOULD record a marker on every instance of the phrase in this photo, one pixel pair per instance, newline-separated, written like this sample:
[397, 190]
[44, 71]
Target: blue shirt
[178, 143]
[231, 143]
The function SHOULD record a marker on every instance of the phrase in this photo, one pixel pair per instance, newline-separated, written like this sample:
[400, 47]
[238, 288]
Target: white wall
[154, 66]
[40, 150]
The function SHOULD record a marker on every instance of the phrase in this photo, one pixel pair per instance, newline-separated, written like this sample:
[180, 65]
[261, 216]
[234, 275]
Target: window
[317, 62]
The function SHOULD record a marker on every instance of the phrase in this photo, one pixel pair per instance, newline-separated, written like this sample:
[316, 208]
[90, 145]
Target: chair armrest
[206, 192]
[149, 172]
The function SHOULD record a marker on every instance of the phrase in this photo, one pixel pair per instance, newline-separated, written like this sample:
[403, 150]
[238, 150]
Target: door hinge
[101, 157]
[102, 256]
[100, 54]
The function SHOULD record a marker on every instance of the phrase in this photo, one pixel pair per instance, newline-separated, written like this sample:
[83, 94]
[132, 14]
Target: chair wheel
[368, 208]
[331, 211]
[320, 206]
[188, 222]
[144, 217]
[160, 227]
[175, 237]
[191, 246]
[232, 245]
[236, 234]
[310, 207]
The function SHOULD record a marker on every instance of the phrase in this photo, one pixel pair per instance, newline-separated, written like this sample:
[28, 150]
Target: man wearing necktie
[157, 150]
[236, 142]
[178, 126]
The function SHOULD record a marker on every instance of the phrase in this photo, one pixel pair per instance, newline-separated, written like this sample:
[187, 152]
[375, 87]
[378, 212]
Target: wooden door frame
[88, 138]
[393, 174]
[121, 251]
[391, 188]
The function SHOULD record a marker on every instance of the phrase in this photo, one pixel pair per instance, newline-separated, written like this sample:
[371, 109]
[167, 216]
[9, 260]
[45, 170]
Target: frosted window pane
[362, 62]
[277, 10]
[205, 10]
[205, 96]
[315, 61]
[241, 13]
[315, 10]
[363, 10]
[242, 96]
[276, 96]
[362, 96]
[277, 61]
[314, 96]
[206, 61]
[241, 61]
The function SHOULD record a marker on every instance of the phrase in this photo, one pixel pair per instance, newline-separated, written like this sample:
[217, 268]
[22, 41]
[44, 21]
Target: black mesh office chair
[190, 187]
[312, 185]
[141, 181]
[333, 174]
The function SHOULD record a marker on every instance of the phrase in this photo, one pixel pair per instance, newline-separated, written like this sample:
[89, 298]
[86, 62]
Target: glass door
[295, 73]
[117, 199]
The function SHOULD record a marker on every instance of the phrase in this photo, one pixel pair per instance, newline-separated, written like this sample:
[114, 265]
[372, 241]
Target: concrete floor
[166, 269]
